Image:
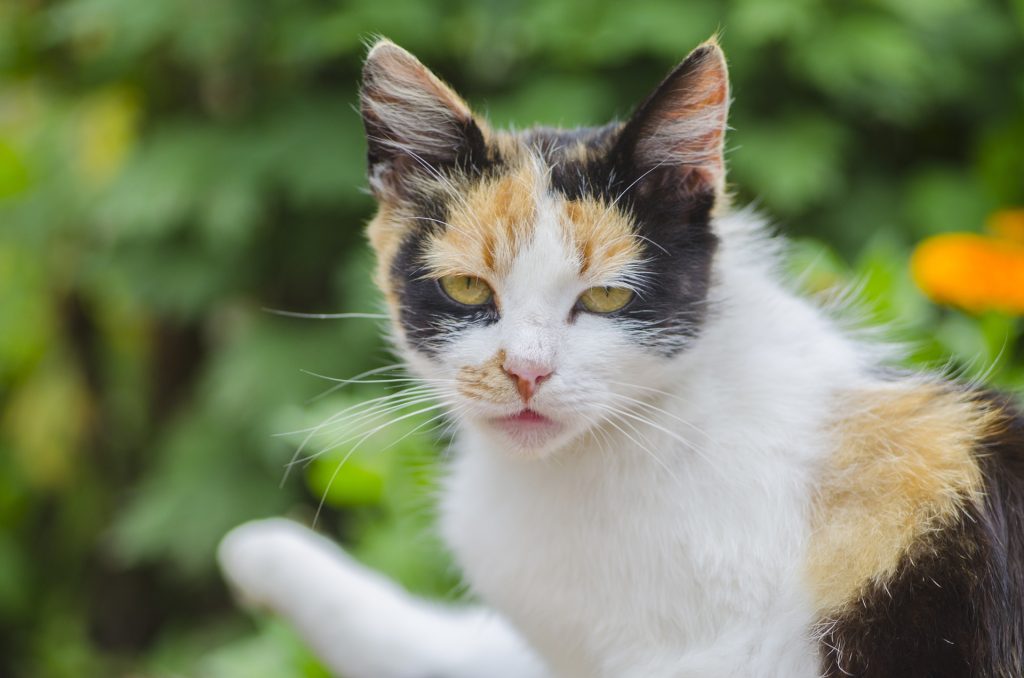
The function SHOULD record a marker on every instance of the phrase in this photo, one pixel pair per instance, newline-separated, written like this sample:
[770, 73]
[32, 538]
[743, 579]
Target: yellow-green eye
[466, 289]
[605, 299]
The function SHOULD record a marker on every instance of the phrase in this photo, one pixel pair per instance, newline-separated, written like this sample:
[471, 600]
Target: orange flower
[974, 272]
[1008, 224]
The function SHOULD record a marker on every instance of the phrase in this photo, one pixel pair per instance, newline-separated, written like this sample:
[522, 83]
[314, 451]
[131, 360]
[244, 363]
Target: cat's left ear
[675, 139]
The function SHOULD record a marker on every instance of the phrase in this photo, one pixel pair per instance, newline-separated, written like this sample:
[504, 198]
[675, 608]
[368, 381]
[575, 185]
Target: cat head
[543, 280]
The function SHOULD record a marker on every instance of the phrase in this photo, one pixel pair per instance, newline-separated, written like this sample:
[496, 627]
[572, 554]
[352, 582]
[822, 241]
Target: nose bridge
[533, 315]
[531, 338]
[530, 351]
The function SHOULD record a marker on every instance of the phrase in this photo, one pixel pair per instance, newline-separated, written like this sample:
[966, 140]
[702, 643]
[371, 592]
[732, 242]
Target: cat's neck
[769, 363]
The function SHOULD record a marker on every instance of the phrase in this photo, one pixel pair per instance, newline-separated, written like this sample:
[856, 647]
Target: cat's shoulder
[917, 554]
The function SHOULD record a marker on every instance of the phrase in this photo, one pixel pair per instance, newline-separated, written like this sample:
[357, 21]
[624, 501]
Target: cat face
[542, 281]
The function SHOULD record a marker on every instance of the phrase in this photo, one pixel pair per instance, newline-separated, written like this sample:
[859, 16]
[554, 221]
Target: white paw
[256, 556]
[357, 621]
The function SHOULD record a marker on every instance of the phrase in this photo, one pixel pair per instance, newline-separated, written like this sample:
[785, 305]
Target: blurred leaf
[815, 266]
[927, 12]
[25, 312]
[1001, 163]
[14, 175]
[556, 101]
[792, 164]
[200, 488]
[345, 482]
[107, 131]
[15, 596]
[118, 28]
[63, 648]
[46, 421]
[311, 36]
[890, 291]
[964, 341]
[355, 455]
[867, 62]
[756, 22]
[944, 200]
[274, 652]
[665, 27]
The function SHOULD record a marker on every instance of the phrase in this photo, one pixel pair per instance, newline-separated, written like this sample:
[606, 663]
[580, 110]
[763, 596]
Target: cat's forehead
[562, 147]
[543, 179]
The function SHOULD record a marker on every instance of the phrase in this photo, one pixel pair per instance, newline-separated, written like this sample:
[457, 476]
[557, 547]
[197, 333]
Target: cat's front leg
[359, 623]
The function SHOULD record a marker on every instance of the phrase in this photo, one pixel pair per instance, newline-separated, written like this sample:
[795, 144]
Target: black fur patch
[572, 176]
[428, 315]
[956, 606]
[673, 220]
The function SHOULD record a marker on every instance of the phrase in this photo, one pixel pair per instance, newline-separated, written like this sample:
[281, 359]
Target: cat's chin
[529, 433]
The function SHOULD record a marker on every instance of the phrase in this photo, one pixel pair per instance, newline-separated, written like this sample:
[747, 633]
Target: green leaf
[274, 652]
[14, 173]
[792, 164]
[944, 200]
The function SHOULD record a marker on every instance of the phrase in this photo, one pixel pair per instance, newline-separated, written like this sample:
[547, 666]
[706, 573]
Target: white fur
[359, 623]
[666, 542]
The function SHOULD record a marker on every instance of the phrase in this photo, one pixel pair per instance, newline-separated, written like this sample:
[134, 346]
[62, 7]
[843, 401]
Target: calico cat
[666, 463]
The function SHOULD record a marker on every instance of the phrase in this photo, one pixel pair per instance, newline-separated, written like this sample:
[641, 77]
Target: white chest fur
[638, 573]
[682, 559]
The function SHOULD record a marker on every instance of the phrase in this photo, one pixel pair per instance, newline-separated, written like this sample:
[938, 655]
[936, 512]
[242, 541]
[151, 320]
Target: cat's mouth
[527, 417]
[527, 426]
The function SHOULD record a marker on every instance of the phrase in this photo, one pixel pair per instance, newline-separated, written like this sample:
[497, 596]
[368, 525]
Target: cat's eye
[467, 289]
[605, 299]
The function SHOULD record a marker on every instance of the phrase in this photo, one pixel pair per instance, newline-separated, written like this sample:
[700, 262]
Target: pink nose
[526, 375]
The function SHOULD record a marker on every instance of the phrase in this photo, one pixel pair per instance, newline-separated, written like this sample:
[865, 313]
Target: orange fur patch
[487, 226]
[488, 381]
[496, 218]
[385, 233]
[905, 467]
[603, 238]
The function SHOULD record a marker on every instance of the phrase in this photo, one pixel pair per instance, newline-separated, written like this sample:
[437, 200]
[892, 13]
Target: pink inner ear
[686, 120]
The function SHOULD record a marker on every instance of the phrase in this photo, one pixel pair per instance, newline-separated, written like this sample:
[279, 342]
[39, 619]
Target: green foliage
[169, 168]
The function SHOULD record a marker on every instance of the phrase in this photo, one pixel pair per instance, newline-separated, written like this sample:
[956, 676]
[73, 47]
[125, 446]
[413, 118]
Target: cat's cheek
[450, 353]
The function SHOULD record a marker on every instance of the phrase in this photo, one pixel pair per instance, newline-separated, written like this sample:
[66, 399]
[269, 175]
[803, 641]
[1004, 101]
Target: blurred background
[171, 168]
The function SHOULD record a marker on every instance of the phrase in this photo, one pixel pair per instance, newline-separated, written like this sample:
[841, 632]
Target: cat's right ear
[416, 126]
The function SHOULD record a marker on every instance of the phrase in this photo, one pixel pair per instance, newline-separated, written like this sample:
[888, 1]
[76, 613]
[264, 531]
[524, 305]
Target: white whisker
[352, 450]
[325, 316]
